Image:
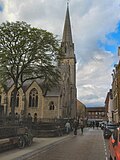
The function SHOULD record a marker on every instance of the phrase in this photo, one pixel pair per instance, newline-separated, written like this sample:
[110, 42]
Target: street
[90, 146]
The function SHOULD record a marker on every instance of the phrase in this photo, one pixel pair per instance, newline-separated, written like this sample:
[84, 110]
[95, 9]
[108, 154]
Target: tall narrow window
[33, 98]
[17, 100]
[12, 100]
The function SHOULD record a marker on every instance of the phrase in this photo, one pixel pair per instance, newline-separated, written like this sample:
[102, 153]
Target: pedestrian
[93, 124]
[82, 126]
[29, 121]
[97, 124]
[59, 131]
[67, 126]
[35, 118]
[75, 125]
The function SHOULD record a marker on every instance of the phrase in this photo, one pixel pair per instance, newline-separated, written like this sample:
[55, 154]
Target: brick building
[96, 113]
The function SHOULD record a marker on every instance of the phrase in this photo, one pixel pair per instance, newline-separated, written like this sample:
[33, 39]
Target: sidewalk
[38, 145]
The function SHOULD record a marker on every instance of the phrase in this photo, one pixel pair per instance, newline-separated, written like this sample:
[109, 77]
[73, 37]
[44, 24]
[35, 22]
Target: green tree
[27, 53]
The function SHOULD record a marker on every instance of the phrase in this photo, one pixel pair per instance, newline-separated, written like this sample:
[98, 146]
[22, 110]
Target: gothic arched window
[33, 98]
[51, 105]
[12, 99]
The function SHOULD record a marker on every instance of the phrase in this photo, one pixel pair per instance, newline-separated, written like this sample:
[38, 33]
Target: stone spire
[67, 34]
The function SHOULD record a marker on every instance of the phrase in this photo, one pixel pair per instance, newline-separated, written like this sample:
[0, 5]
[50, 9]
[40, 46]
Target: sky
[96, 36]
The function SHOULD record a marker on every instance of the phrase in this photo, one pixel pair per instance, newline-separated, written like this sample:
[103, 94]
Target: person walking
[97, 124]
[67, 126]
[81, 126]
[93, 124]
[75, 125]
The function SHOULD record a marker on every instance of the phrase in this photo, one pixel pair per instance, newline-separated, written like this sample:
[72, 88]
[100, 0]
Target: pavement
[38, 145]
[90, 146]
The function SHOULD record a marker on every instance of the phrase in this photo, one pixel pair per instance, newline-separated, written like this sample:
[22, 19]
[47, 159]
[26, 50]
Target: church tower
[68, 69]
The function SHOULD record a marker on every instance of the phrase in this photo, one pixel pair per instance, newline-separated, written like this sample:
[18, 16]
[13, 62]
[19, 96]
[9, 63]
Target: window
[51, 105]
[33, 98]
[17, 100]
[12, 99]
[96, 113]
[103, 113]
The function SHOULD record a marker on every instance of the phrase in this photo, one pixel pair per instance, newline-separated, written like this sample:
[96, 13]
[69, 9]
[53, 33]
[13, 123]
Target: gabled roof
[27, 84]
[55, 91]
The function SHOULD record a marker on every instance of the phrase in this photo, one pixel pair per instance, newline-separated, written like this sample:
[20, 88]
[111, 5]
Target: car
[108, 129]
[114, 145]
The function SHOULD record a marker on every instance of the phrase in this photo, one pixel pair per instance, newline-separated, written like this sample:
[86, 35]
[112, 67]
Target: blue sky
[113, 41]
[96, 35]
[1, 8]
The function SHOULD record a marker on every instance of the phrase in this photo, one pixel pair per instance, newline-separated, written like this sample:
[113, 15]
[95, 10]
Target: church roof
[54, 92]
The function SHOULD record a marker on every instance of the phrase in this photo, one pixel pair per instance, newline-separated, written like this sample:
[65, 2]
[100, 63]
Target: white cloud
[91, 20]
[94, 79]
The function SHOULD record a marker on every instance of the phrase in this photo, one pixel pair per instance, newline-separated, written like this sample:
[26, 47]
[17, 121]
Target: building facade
[116, 91]
[109, 106]
[60, 101]
[96, 113]
[81, 110]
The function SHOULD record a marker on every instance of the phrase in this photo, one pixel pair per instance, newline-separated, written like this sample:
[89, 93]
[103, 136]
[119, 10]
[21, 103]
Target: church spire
[67, 34]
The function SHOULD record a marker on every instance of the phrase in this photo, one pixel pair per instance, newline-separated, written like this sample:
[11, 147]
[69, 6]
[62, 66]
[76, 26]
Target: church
[60, 101]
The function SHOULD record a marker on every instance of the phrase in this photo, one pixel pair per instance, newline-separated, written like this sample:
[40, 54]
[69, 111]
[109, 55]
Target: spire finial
[68, 1]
